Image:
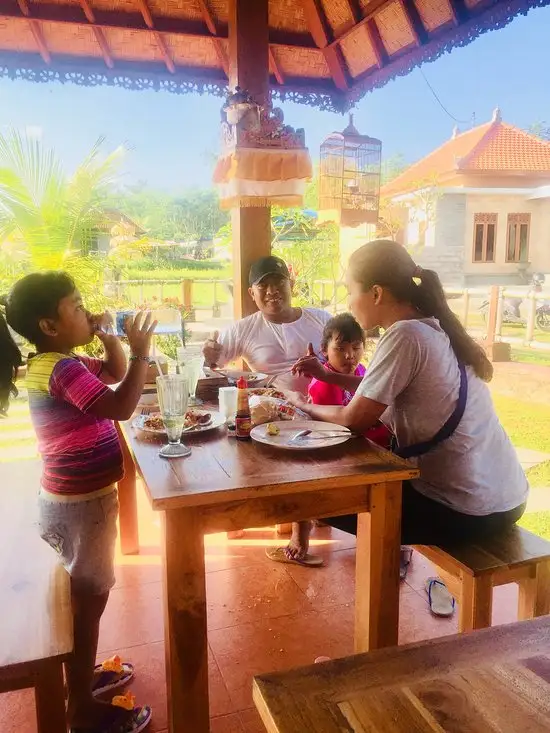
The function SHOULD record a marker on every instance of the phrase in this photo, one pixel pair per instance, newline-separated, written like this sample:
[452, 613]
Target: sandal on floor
[404, 561]
[111, 675]
[122, 722]
[279, 554]
[441, 601]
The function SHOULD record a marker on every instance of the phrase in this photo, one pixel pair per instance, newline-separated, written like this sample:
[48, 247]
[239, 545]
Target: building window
[485, 237]
[517, 239]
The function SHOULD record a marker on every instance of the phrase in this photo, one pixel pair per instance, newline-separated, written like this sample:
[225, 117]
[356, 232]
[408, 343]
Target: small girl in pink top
[343, 346]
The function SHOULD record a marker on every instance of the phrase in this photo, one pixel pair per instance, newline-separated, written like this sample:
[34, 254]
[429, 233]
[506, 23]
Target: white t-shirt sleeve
[394, 365]
[232, 340]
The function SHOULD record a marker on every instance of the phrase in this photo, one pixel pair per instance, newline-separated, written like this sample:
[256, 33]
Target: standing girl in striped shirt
[72, 410]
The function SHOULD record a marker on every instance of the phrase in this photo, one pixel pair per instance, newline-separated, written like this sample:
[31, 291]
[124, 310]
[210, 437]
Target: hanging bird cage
[349, 179]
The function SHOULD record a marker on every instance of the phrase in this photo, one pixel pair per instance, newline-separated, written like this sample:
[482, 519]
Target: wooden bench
[36, 620]
[471, 572]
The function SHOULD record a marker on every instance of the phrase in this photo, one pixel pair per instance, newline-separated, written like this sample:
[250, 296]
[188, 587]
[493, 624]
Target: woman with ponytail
[426, 382]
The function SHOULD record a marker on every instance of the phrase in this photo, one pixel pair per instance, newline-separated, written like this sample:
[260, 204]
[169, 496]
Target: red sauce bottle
[243, 422]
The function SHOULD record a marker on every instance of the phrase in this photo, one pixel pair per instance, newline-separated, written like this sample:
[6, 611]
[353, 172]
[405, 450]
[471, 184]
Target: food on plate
[270, 409]
[266, 392]
[196, 418]
[154, 421]
[272, 429]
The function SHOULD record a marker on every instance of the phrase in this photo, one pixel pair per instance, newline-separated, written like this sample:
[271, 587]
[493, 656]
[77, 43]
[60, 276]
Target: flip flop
[405, 561]
[111, 675]
[278, 554]
[121, 722]
[441, 601]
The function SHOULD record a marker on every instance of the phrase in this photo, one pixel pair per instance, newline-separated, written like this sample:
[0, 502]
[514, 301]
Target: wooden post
[531, 317]
[187, 299]
[496, 350]
[249, 69]
[500, 312]
[465, 307]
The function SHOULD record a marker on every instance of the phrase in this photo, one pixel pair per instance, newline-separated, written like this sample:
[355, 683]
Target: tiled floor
[262, 617]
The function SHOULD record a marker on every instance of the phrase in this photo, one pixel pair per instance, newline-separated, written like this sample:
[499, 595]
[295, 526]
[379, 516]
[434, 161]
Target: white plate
[253, 378]
[289, 429]
[217, 421]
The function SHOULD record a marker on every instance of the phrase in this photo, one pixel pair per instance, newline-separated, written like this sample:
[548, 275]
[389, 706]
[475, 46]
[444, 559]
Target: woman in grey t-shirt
[427, 383]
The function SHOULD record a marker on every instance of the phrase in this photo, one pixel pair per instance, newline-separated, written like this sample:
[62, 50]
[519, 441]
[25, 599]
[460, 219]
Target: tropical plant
[39, 205]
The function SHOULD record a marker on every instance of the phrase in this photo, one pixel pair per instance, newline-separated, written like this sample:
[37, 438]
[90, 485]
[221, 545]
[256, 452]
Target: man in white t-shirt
[277, 335]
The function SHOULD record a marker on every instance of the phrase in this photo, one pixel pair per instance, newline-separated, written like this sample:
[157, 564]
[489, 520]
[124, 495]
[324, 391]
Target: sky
[173, 138]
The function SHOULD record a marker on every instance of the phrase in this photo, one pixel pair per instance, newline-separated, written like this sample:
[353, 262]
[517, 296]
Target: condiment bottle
[243, 422]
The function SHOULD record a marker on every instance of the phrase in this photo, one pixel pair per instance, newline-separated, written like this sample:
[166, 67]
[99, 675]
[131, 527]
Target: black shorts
[428, 522]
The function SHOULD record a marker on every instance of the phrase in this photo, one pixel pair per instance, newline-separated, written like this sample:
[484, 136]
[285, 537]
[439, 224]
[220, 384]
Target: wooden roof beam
[460, 11]
[36, 31]
[382, 56]
[418, 28]
[274, 68]
[322, 36]
[211, 25]
[161, 43]
[133, 21]
[374, 6]
[98, 33]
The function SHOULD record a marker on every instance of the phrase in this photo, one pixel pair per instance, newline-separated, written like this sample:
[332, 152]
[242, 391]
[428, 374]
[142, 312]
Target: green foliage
[192, 216]
[146, 265]
[540, 129]
[42, 208]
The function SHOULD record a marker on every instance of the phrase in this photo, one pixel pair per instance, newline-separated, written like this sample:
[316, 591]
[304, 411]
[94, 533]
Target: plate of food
[300, 434]
[233, 375]
[272, 409]
[266, 392]
[196, 421]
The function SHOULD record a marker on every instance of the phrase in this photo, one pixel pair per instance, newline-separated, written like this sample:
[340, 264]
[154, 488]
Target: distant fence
[213, 294]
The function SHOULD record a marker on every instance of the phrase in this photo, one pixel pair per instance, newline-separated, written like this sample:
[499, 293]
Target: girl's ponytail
[10, 361]
[387, 263]
[429, 297]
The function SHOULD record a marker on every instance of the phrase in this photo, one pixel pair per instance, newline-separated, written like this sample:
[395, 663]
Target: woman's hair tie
[417, 275]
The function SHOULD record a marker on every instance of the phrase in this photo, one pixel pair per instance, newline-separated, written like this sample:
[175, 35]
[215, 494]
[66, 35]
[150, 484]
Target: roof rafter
[382, 56]
[274, 68]
[98, 33]
[459, 10]
[211, 25]
[415, 21]
[374, 7]
[134, 21]
[321, 34]
[161, 43]
[36, 30]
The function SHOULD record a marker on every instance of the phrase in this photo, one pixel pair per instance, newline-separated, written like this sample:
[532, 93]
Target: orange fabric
[263, 165]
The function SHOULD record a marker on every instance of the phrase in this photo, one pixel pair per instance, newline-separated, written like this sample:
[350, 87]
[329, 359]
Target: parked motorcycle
[511, 307]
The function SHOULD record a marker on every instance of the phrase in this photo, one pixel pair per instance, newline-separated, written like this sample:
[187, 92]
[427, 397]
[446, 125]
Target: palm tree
[51, 214]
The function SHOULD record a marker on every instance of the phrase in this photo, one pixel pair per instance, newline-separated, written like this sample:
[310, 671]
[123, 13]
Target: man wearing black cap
[272, 339]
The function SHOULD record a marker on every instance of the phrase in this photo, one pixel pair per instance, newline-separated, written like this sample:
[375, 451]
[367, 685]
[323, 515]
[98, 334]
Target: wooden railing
[330, 294]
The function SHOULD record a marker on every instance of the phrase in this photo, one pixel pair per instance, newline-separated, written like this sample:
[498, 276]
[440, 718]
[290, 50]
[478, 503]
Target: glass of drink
[173, 395]
[191, 362]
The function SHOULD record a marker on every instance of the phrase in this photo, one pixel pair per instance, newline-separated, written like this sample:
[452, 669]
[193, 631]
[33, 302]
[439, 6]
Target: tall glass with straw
[173, 395]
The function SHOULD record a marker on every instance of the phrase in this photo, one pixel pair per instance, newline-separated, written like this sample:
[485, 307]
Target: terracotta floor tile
[17, 712]
[227, 724]
[241, 595]
[252, 723]
[505, 604]
[332, 584]
[419, 570]
[133, 617]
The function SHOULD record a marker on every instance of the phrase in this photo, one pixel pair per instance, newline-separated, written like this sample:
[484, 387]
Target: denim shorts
[83, 533]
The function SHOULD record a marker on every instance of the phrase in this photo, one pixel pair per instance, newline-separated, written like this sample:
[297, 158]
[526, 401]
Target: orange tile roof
[494, 146]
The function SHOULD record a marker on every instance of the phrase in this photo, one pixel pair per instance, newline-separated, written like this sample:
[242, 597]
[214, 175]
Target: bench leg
[534, 593]
[50, 700]
[475, 603]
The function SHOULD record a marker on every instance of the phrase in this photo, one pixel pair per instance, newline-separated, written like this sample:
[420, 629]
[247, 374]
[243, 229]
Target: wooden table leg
[127, 499]
[377, 569]
[185, 623]
[50, 699]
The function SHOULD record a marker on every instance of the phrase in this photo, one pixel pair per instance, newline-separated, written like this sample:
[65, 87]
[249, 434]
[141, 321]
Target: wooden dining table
[227, 484]
[491, 681]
